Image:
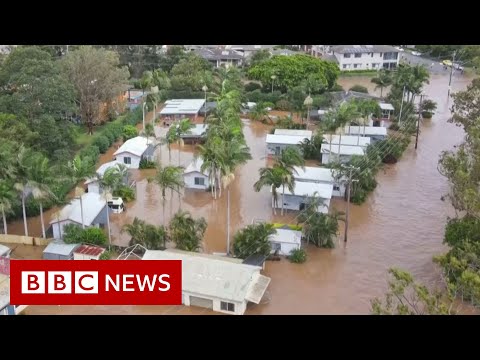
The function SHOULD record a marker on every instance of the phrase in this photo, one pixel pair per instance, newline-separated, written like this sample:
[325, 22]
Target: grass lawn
[358, 73]
[82, 139]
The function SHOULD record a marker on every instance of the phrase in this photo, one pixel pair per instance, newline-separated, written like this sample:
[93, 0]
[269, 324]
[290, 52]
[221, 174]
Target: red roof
[89, 250]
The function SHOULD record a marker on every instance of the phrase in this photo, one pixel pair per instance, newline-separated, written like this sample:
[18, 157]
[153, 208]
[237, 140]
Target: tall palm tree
[183, 126]
[149, 131]
[168, 177]
[288, 159]
[81, 169]
[110, 180]
[6, 197]
[271, 177]
[211, 155]
[146, 81]
[383, 80]
[171, 137]
[366, 108]
[235, 153]
[344, 115]
[21, 179]
[40, 178]
[186, 232]
[152, 100]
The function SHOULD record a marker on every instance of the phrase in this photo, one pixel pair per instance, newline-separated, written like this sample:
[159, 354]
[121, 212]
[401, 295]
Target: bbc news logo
[62, 282]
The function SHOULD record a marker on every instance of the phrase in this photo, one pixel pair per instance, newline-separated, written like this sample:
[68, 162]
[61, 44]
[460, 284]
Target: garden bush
[337, 87]
[92, 151]
[147, 164]
[458, 230]
[125, 192]
[94, 236]
[252, 86]
[298, 256]
[359, 88]
[283, 105]
[102, 143]
[129, 131]
[109, 135]
[72, 234]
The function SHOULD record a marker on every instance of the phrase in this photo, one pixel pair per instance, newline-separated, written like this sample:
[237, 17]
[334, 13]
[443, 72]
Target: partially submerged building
[285, 240]
[277, 143]
[302, 192]
[320, 175]
[182, 108]
[194, 177]
[134, 150]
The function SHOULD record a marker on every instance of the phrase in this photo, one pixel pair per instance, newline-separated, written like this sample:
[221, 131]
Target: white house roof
[212, 276]
[195, 166]
[369, 130]
[101, 170]
[182, 106]
[306, 133]
[313, 174]
[344, 149]
[135, 146]
[4, 291]
[385, 106]
[197, 130]
[286, 236]
[60, 248]
[284, 139]
[309, 189]
[93, 203]
[4, 250]
[349, 140]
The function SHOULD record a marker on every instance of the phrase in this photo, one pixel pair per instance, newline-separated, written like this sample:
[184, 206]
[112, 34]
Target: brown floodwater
[401, 224]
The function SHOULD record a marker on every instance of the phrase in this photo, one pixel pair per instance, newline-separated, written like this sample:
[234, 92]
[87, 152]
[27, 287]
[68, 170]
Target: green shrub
[92, 152]
[257, 96]
[116, 128]
[129, 131]
[269, 105]
[107, 255]
[322, 101]
[102, 143]
[94, 236]
[359, 88]
[125, 192]
[426, 115]
[394, 126]
[72, 234]
[337, 87]
[147, 164]
[298, 256]
[109, 135]
[283, 105]
[252, 86]
[458, 230]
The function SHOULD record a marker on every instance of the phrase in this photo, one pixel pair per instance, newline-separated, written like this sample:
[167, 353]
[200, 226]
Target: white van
[116, 205]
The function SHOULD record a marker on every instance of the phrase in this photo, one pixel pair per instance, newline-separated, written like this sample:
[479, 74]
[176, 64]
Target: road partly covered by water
[400, 225]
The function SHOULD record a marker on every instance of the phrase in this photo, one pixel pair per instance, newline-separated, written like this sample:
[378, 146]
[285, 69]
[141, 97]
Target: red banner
[4, 265]
[102, 282]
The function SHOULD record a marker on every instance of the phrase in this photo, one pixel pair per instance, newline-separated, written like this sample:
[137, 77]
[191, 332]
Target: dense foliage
[74, 234]
[253, 239]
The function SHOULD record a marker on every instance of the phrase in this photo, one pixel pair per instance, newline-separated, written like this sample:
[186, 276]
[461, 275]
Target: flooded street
[400, 225]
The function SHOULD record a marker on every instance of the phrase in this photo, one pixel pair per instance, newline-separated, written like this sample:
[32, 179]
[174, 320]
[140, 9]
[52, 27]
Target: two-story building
[366, 57]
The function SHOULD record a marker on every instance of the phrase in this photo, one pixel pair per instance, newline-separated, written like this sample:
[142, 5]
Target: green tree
[186, 232]
[359, 88]
[168, 177]
[6, 197]
[150, 236]
[382, 80]
[259, 56]
[298, 256]
[211, 155]
[145, 81]
[259, 112]
[288, 159]
[408, 297]
[149, 131]
[181, 127]
[21, 179]
[97, 79]
[191, 73]
[129, 132]
[428, 108]
[272, 178]
[253, 239]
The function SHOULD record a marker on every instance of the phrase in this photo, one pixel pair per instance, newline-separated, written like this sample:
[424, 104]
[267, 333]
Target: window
[276, 246]
[199, 181]
[355, 66]
[346, 56]
[336, 188]
[225, 306]
[358, 55]
[127, 160]
[371, 54]
[344, 66]
[374, 66]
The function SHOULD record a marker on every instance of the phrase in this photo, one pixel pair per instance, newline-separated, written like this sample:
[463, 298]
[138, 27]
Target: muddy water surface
[400, 225]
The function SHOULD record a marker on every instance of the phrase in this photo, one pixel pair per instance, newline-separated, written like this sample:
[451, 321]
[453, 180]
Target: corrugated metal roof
[284, 139]
[89, 250]
[182, 106]
[136, 146]
[257, 288]
[196, 131]
[195, 166]
[344, 149]
[348, 140]
[313, 174]
[60, 248]
[323, 191]
[210, 275]
[369, 130]
[353, 49]
[306, 133]
[93, 204]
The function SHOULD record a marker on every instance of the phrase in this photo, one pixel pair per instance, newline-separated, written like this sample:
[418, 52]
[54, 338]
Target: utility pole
[401, 106]
[451, 71]
[347, 212]
[418, 121]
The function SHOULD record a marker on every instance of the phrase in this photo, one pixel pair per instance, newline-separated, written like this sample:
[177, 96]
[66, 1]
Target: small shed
[88, 252]
[298, 199]
[194, 177]
[376, 133]
[285, 240]
[387, 110]
[58, 250]
[196, 134]
[277, 143]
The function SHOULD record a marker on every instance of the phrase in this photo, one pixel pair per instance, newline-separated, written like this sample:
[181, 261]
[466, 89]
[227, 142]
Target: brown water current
[400, 225]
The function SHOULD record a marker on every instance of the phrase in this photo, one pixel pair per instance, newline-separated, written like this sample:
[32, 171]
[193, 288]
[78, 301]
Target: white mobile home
[216, 282]
[342, 153]
[277, 143]
[292, 132]
[376, 133]
[94, 214]
[320, 175]
[93, 184]
[347, 140]
[285, 240]
[134, 150]
[194, 177]
[301, 194]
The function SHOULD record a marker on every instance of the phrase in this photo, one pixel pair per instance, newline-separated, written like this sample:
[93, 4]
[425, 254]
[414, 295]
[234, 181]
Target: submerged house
[347, 140]
[134, 150]
[58, 250]
[196, 134]
[94, 214]
[214, 282]
[182, 108]
[293, 132]
[277, 143]
[194, 177]
[93, 184]
[285, 240]
[302, 192]
[320, 175]
[376, 133]
[342, 153]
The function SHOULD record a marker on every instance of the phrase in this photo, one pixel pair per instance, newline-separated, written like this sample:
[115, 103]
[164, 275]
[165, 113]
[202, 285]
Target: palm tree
[271, 177]
[184, 126]
[149, 131]
[110, 180]
[22, 164]
[152, 100]
[186, 232]
[148, 235]
[366, 108]
[40, 178]
[170, 138]
[383, 80]
[253, 239]
[259, 112]
[344, 115]
[288, 159]
[81, 169]
[211, 155]
[146, 81]
[235, 153]
[6, 197]
[168, 177]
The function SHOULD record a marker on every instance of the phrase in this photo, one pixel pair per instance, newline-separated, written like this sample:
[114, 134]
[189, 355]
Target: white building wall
[94, 187]
[58, 232]
[189, 180]
[135, 163]
[85, 257]
[240, 307]
[272, 148]
[337, 193]
[367, 61]
[292, 202]
[286, 248]
[327, 158]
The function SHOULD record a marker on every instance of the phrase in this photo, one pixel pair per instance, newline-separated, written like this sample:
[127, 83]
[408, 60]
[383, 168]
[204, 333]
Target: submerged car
[116, 205]
[416, 53]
